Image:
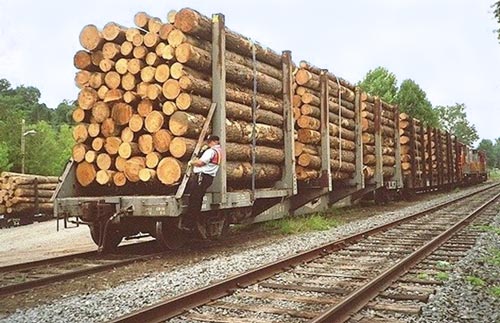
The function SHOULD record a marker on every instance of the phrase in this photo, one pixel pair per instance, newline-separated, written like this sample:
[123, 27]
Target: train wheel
[113, 238]
[169, 236]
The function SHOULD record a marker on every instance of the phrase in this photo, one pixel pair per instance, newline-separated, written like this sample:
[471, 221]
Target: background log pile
[388, 128]
[306, 108]
[432, 161]
[21, 193]
[145, 92]
[411, 149]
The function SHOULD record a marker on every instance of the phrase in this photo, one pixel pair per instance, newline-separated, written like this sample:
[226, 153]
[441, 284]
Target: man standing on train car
[204, 170]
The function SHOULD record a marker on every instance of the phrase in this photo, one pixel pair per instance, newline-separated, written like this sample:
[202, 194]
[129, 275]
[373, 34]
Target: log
[145, 144]
[94, 129]
[90, 156]
[45, 187]
[127, 135]
[237, 171]
[171, 89]
[47, 208]
[369, 159]
[104, 161]
[165, 30]
[145, 107]
[128, 149]
[85, 173]
[102, 92]
[113, 95]
[147, 175]
[169, 108]
[263, 154]
[32, 192]
[105, 177]
[192, 22]
[126, 48]
[83, 61]
[191, 84]
[100, 112]
[98, 143]
[114, 32]
[80, 133]
[112, 145]
[169, 170]
[308, 136]
[161, 140]
[162, 73]
[152, 159]
[119, 179]
[200, 59]
[82, 78]
[305, 174]
[132, 168]
[111, 51]
[120, 163]
[148, 73]
[345, 167]
[154, 121]
[87, 98]
[153, 91]
[91, 38]
[108, 128]
[310, 161]
[121, 113]
[78, 152]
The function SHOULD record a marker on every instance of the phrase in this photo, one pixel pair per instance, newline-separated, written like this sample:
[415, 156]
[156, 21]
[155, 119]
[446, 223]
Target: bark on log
[152, 159]
[24, 192]
[147, 175]
[105, 177]
[104, 161]
[121, 113]
[78, 152]
[192, 22]
[112, 145]
[80, 133]
[128, 149]
[91, 38]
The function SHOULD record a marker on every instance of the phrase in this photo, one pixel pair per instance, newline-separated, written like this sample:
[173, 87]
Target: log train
[297, 138]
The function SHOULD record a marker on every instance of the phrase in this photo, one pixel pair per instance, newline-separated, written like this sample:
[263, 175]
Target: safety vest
[216, 157]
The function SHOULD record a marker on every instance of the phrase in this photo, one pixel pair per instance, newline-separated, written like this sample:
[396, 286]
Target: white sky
[447, 46]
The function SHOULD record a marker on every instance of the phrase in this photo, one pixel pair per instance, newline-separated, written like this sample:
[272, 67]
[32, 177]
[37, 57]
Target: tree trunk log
[161, 140]
[128, 149]
[145, 144]
[169, 170]
[104, 161]
[132, 168]
[112, 145]
[85, 173]
[154, 121]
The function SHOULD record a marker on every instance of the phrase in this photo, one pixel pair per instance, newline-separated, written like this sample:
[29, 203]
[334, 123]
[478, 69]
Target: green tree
[5, 165]
[453, 119]
[489, 148]
[62, 114]
[48, 150]
[413, 100]
[380, 82]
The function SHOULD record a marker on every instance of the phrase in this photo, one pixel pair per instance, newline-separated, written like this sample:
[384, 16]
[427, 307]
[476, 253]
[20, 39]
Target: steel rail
[172, 307]
[360, 298]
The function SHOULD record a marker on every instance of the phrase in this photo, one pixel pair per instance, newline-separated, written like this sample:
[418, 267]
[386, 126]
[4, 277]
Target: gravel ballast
[117, 301]
[464, 298]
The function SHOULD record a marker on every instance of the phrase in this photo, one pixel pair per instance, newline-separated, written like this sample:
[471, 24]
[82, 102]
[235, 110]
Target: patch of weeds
[494, 257]
[495, 291]
[442, 276]
[441, 264]
[423, 276]
[456, 190]
[489, 228]
[293, 225]
[475, 281]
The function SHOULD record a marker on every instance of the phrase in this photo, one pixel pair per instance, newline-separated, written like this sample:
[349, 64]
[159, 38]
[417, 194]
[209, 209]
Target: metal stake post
[326, 173]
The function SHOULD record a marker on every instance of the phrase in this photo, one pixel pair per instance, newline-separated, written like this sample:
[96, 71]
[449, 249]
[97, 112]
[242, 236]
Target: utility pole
[24, 133]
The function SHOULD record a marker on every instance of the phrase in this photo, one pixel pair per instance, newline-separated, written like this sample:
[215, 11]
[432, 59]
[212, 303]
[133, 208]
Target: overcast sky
[446, 46]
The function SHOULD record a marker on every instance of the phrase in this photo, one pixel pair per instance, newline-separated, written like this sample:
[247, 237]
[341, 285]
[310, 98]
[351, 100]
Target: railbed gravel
[108, 304]
[460, 301]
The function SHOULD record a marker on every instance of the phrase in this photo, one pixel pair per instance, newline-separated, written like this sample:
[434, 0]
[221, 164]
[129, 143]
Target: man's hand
[190, 163]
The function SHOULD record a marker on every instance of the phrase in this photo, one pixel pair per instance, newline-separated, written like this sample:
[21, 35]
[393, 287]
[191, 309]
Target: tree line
[49, 146]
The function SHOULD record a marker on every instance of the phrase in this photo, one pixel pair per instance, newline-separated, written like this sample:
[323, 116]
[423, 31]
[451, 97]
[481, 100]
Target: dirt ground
[41, 240]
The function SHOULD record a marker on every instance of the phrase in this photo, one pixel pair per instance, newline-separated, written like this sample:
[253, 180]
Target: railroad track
[372, 276]
[22, 277]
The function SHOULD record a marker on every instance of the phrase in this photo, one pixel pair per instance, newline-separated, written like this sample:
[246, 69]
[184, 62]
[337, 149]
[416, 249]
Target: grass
[489, 228]
[475, 281]
[423, 276]
[495, 291]
[494, 174]
[299, 224]
[494, 257]
[443, 265]
[442, 276]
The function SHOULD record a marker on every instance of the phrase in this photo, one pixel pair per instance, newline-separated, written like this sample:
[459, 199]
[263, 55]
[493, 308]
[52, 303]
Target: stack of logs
[341, 126]
[411, 149]
[369, 105]
[145, 93]
[21, 193]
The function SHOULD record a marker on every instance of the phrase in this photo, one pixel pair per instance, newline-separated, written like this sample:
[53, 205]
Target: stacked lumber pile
[21, 193]
[145, 93]
[387, 130]
[306, 110]
[411, 148]
[431, 164]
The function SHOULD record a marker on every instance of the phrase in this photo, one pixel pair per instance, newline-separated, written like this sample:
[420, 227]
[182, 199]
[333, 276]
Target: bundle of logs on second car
[21, 193]
[341, 123]
[371, 109]
[146, 91]
[412, 138]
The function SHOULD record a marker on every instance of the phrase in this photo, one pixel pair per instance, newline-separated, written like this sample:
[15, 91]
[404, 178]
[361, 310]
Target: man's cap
[212, 138]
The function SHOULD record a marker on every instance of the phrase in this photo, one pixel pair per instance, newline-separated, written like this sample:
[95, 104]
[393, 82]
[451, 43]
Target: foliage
[495, 291]
[413, 100]
[382, 83]
[442, 276]
[475, 281]
[48, 149]
[293, 225]
[441, 264]
[496, 12]
[492, 150]
[423, 276]
[5, 165]
[453, 119]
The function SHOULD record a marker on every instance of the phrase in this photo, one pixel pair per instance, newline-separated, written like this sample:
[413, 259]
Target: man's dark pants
[198, 185]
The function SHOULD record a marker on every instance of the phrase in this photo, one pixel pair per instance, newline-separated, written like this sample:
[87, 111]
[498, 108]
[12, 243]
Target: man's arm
[204, 159]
